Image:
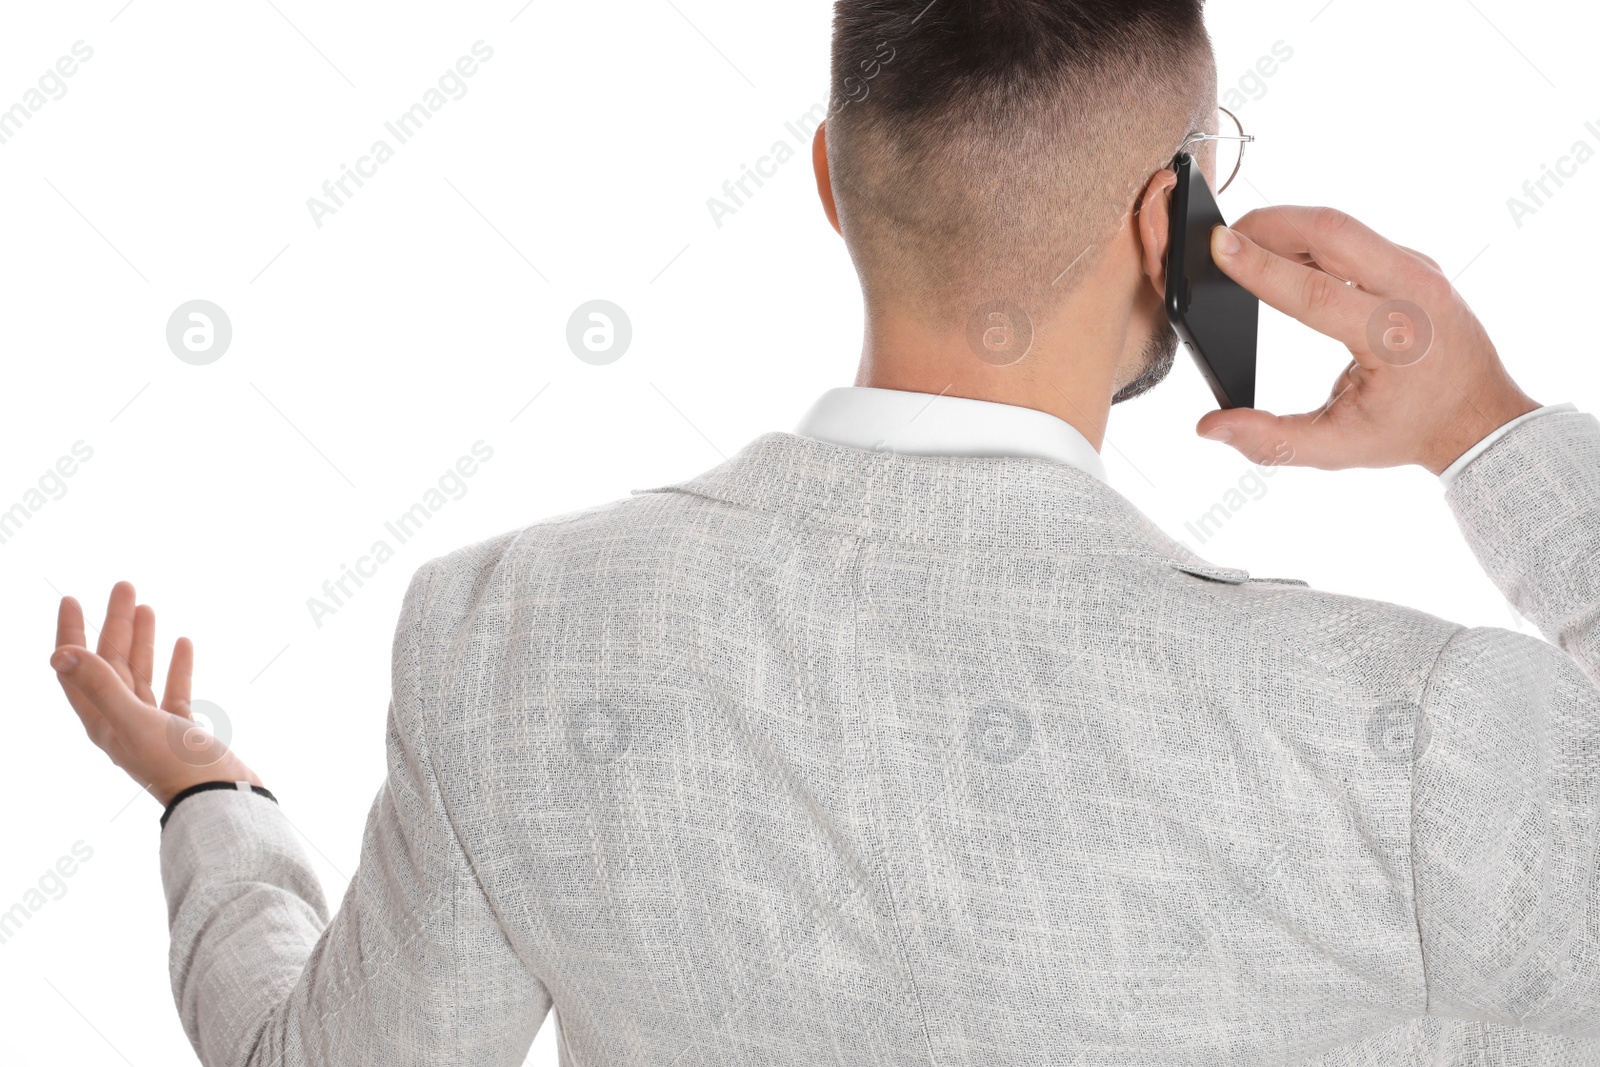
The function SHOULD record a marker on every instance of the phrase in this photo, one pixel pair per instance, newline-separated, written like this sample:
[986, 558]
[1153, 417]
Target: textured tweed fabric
[835, 757]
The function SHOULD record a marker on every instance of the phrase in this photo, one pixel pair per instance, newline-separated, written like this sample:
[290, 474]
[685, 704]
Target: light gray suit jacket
[834, 757]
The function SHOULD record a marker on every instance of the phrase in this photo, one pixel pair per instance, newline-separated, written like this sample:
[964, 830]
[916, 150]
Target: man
[905, 739]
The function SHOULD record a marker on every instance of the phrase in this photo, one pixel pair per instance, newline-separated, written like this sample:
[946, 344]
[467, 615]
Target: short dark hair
[983, 144]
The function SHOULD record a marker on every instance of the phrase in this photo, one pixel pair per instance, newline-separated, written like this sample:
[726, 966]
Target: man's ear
[1155, 218]
[819, 163]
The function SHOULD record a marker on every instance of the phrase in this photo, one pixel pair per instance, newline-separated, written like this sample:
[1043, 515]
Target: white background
[370, 353]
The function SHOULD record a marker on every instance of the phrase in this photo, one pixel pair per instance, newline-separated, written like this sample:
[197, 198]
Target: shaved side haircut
[986, 149]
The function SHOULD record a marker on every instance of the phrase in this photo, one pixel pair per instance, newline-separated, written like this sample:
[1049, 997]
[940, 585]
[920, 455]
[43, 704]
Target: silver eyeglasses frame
[1242, 137]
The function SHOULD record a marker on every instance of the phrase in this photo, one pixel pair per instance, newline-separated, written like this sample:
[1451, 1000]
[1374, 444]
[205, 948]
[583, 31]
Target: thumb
[1263, 438]
[97, 681]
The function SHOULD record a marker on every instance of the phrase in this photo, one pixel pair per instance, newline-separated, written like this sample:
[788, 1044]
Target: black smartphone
[1215, 316]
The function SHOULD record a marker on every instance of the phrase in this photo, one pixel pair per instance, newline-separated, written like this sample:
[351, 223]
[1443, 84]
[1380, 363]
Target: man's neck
[1068, 370]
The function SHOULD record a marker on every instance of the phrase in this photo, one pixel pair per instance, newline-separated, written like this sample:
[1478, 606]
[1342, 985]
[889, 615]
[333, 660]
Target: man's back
[833, 756]
[836, 755]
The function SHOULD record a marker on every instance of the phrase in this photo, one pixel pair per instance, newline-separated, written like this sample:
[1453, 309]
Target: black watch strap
[258, 790]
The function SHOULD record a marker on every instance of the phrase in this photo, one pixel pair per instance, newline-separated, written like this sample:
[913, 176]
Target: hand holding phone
[1425, 382]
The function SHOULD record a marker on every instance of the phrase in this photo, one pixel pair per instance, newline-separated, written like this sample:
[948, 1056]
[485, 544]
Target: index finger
[1339, 244]
[1314, 297]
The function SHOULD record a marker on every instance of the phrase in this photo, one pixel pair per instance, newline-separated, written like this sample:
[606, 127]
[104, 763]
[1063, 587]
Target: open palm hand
[160, 746]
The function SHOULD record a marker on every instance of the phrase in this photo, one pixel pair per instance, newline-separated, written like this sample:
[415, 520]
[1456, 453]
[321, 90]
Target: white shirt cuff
[1452, 472]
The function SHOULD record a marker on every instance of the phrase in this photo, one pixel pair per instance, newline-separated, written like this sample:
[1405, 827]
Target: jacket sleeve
[1506, 783]
[414, 969]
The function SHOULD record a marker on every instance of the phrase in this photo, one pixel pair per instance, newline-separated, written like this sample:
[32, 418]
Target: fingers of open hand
[69, 623]
[104, 702]
[180, 679]
[116, 634]
[111, 693]
[69, 632]
[142, 654]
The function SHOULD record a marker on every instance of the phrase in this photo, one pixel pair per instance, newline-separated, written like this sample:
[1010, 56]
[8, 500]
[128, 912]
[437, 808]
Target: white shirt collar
[923, 424]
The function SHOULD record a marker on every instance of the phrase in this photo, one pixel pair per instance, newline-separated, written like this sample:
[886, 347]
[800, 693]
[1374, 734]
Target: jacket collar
[951, 502]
